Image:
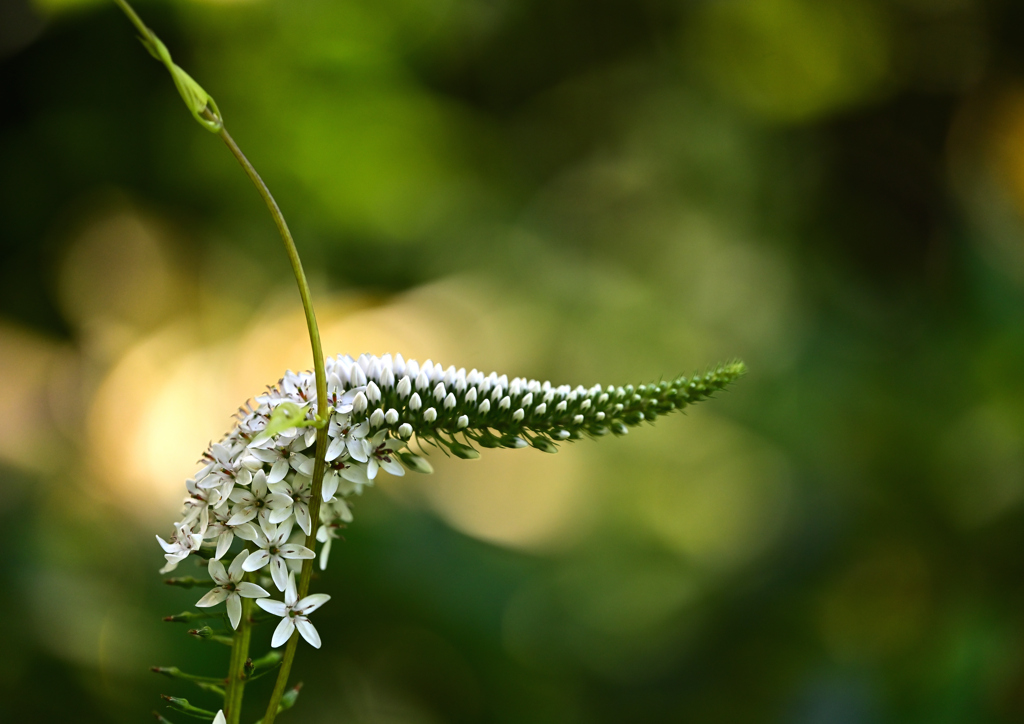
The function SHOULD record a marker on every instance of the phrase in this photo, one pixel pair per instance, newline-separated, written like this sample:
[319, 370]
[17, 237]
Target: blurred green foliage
[831, 191]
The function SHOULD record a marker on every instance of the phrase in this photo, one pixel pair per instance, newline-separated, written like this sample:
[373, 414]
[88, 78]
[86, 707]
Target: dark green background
[831, 191]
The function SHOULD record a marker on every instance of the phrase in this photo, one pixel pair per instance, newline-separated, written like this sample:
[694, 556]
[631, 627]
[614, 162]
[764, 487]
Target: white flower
[177, 549]
[345, 437]
[219, 719]
[252, 503]
[224, 469]
[231, 588]
[290, 498]
[283, 459]
[333, 516]
[274, 549]
[198, 504]
[344, 469]
[381, 455]
[294, 615]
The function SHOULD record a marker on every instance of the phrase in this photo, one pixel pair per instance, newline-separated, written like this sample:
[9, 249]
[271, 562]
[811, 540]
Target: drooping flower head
[255, 483]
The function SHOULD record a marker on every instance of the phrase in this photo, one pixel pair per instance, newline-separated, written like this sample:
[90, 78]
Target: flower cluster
[256, 484]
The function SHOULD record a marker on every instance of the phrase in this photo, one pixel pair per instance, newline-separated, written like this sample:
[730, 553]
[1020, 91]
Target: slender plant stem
[136, 20]
[210, 118]
[321, 409]
[236, 675]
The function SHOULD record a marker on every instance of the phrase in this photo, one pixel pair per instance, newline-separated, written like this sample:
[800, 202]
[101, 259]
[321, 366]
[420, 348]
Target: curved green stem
[205, 110]
[319, 464]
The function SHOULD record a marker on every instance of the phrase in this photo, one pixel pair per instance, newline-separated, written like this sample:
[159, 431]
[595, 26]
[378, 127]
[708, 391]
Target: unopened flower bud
[430, 414]
[518, 415]
[484, 407]
[439, 391]
[405, 431]
[449, 401]
[578, 420]
[391, 416]
[540, 409]
[376, 417]
[462, 422]
[414, 401]
[404, 387]
[372, 392]
[359, 404]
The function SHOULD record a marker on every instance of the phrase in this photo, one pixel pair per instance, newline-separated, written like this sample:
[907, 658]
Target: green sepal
[182, 705]
[414, 462]
[208, 634]
[544, 445]
[462, 451]
[175, 673]
[187, 616]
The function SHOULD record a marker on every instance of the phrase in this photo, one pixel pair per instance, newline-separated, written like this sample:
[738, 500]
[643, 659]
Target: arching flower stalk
[317, 438]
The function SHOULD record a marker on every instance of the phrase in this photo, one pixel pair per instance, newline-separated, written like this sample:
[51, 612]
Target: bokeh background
[576, 190]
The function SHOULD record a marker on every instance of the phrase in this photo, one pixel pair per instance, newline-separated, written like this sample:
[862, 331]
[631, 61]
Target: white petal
[247, 531]
[290, 595]
[294, 550]
[336, 448]
[168, 547]
[280, 498]
[279, 572]
[311, 603]
[217, 572]
[283, 632]
[242, 514]
[267, 456]
[212, 598]
[302, 517]
[393, 466]
[357, 449]
[325, 551]
[330, 486]
[276, 608]
[259, 484]
[235, 570]
[234, 610]
[308, 632]
[371, 468]
[277, 473]
[223, 543]
[280, 515]
[251, 590]
[256, 561]
[356, 474]
[219, 719]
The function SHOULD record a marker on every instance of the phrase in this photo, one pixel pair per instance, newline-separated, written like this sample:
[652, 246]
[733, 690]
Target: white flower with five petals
[291, 498]
[177, 549]
[274, 549]
[231, 587]
[252, 503]
[294, 615]
[284, 459]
